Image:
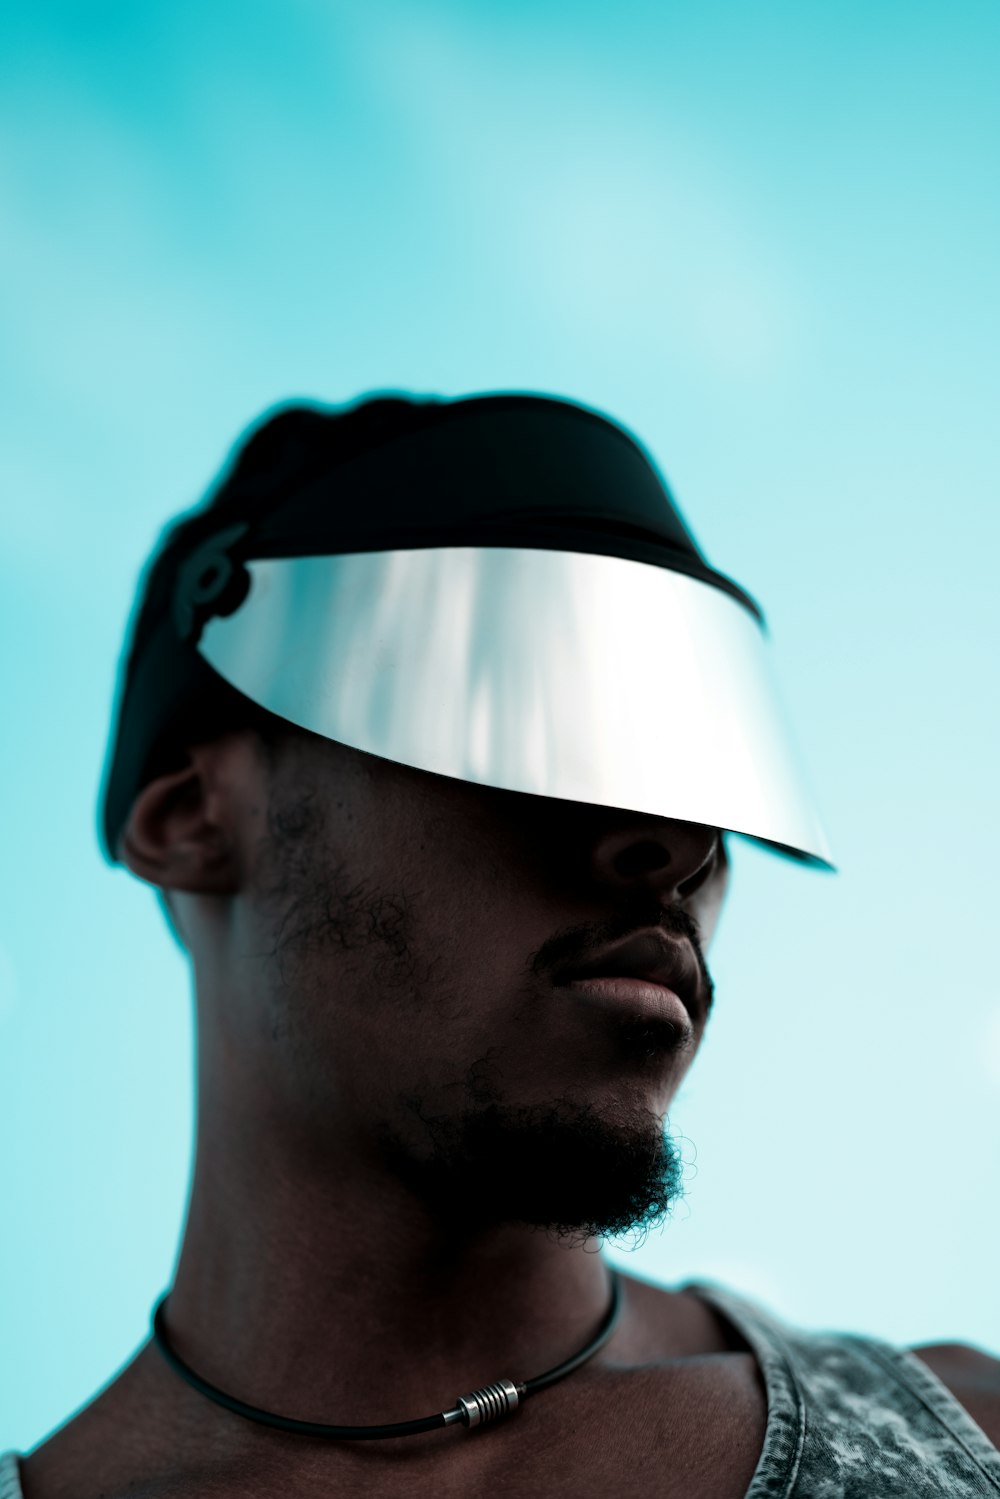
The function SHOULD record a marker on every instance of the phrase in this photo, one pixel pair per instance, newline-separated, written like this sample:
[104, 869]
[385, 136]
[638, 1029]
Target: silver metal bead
[491, 1403]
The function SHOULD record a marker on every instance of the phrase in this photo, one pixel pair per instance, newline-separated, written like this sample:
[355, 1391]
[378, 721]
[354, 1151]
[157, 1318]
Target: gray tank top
[849, 1417]
[852, 1417]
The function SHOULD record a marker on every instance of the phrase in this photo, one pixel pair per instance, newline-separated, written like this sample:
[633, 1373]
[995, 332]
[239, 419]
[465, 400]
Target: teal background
[765, 236]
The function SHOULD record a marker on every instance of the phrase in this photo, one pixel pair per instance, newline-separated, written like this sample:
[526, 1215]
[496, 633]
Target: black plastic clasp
[210, 582]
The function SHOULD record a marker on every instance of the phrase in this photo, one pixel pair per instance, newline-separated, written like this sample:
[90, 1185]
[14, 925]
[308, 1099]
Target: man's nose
[669, 858]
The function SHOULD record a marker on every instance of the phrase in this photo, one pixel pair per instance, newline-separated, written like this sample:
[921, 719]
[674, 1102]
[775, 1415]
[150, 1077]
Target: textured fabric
[852, 1417]
[10, 1479]
[849, 1417]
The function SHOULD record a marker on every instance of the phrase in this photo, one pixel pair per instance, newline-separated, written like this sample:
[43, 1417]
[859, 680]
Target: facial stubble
[565, 1166]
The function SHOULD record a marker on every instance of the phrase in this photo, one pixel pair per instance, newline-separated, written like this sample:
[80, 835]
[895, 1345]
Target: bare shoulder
[973, 1377]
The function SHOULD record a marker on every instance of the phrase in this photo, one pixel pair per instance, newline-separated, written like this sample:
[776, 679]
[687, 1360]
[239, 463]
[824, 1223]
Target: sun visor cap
[505, 594]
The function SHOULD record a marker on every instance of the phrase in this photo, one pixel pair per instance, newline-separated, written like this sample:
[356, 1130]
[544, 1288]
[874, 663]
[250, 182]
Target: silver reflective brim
[564, 674]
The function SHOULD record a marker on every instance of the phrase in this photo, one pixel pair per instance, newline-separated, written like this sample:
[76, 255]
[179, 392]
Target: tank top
[848, 1417]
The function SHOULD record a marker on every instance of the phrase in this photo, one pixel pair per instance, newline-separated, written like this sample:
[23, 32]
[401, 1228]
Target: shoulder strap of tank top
[784, 1435]
[10, 1476]
[824, 1386]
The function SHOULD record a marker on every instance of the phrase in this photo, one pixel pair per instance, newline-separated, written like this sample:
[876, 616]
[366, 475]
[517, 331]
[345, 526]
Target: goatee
[566, 1167]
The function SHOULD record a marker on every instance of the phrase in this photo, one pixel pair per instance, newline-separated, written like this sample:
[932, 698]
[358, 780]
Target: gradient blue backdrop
[765, 236]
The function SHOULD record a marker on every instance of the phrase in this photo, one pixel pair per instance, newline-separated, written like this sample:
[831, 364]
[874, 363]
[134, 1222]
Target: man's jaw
[572, 1168]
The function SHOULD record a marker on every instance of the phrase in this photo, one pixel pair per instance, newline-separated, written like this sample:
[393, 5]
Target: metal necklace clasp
[491, 1403]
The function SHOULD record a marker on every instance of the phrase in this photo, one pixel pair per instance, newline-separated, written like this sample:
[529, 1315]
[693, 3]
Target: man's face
[408, 941]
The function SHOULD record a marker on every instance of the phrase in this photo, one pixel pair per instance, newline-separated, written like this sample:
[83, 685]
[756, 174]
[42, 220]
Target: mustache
[578, 942]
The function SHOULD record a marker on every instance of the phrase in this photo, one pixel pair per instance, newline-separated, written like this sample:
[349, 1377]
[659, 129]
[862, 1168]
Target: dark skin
[371, 949]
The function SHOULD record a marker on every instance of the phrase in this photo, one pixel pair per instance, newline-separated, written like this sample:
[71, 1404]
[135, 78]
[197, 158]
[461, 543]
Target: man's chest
[691, 1433]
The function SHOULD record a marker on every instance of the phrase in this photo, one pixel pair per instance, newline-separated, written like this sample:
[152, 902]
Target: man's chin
[566, 1167]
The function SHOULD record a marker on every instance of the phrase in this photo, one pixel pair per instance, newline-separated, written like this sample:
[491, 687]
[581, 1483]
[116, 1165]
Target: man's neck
[328, 1292]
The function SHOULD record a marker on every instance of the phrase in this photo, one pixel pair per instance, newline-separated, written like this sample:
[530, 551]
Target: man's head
[431, 723]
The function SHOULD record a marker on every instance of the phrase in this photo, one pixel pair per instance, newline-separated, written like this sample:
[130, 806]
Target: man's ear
[175, 835]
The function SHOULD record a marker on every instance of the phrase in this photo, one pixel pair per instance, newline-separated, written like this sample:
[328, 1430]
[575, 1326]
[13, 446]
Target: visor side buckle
[210, 582]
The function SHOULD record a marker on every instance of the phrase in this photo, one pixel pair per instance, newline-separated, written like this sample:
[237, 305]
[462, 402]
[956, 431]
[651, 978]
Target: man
[432, 728]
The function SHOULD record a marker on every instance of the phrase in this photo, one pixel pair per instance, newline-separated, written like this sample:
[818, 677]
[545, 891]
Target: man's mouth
[649, 974]
[650, 957]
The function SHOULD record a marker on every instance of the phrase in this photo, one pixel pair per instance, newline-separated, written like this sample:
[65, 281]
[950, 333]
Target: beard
[564, 1167]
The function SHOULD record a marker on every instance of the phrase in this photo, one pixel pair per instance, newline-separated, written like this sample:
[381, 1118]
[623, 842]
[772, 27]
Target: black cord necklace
[488, 1404]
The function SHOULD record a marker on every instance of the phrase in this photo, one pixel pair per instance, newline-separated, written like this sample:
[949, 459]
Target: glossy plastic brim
[562, 674]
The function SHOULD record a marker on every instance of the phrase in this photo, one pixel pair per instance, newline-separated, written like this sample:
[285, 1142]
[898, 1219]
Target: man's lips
[645, 961]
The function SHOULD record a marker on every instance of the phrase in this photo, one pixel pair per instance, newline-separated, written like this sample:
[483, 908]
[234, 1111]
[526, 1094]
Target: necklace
[490, 1403]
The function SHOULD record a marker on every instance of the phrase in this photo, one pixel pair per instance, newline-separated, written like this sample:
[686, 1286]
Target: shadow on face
[388, 952]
